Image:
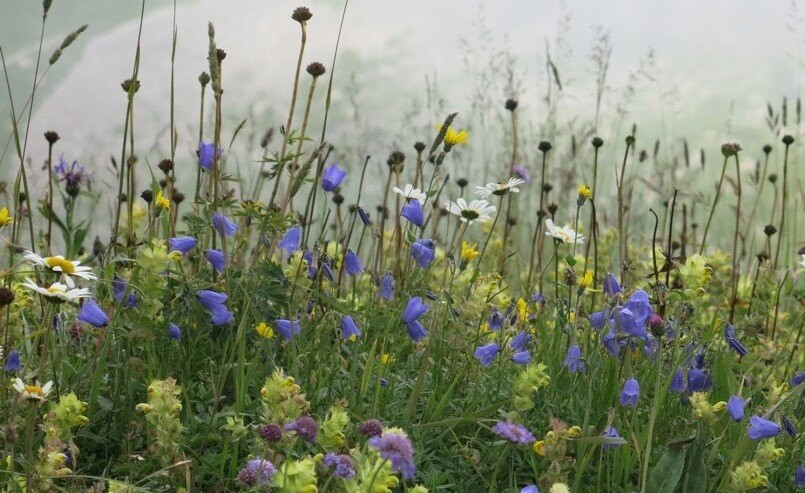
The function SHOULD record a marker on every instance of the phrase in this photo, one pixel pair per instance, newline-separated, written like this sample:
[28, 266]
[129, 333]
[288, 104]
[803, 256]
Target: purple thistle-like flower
[513, 432]
[610, 432]
[13, 361]
[181, 244]
[630, 393]
[207, 154]
[387, 287]
[92, 314]
[288, 328]
[424, 252]
[762, 428]
[699, 380]
[735, 407]
[733, 342]
[270, 432]
[216, 258]
[305, 428]
[214, 303]
[521, 172]
[573, 360]
[522, 357]
[611, 286]
[371, 428]
[677, 385]
[343, 464]
[413, 212]
[396, 448]
[332, 177]
[119, 289]
[520, 341]
[349, 328]
[72, 175]
[223, 224]
[292, 240]
[257, 472]
[352, 264]
[486, 354]
[175, 332]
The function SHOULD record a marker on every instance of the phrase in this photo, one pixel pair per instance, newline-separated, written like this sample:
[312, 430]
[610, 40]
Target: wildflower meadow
[302, 317]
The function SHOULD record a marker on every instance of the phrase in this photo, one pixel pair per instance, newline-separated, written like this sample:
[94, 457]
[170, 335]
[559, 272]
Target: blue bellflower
[216, 258]
[224, 225]
[214, 303]
[530, 489]
[288, 328]
[789, 427]
[733, 342]
[349, 328]
[410, 316]
[175, 332]
[760, 428]
[311, 263]
[413, 212]
[365, 219]
[352, 264]
[611, 286]
[205, 154]
[735, 407]
[292, 240]
[387, 287]
[520, 341]
[13, 361]
[699, 380]
[332, 177]
[423, 251]
[181, 244]
[119, 289]
[610, 432]
[677, 385]
[630, 393]
[92, 314]
[522, 357]
[573, 360]
[486, 354]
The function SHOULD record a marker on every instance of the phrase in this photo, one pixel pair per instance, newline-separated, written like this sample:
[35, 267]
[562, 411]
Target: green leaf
[666, 473]
[570, 260]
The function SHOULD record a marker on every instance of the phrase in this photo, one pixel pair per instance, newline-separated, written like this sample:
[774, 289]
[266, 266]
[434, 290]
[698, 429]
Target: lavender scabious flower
[396, 448]
[387, 287]
[520, 341]
[410, 316]
[573, 360]
[762, 428]
[349, 329]
[413, 212]
[181, 244]
[521, 172]
[13, 361]
[611, 286]
[92, 314]
[119, 289]
[332, 177]
[223, 224]
[343, 464]
[735, 407]
[305, 428]
[258, 471]
[522, 357]
[513, 432]
[175, 332]
[216, 258]
[371, 428]
[424, 252]
[292, 240]
[270, 432]
[733, 342]
[207, 154]
[214, 303]
[288, 328]
[610, 432]
[677, 385]
[630, 392]
[486, 354]
[352, 264]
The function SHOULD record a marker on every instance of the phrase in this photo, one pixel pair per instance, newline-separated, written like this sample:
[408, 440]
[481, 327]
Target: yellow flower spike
[586, 279]
[539, 447]
[585, 192]
[5, 217]
[162, 202]
[264, 330]
[571, 317]
[469, 252]
[522, 310]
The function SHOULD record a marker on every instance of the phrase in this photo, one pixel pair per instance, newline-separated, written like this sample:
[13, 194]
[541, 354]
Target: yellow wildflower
[522, 310]
[469, 252]
[454, 137]
[559, 488]
[585, 192]
[264, 330]
[748, 476]
[5, 217]
[586, 279]
[386, 358]
[162, 202]
[703, 410]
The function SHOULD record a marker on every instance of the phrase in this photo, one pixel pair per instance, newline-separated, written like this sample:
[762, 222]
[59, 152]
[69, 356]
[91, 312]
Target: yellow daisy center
[56, 289]
[66, 266]
[34, 390]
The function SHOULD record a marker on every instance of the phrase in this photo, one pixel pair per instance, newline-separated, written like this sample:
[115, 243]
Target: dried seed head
[547, 188]
[571, 278]
[220, 55]
[178, 196]
[511, 104]
[396, 157]
[126, 85]
[338, 199]
[762, 257]
[544, 146]
[730, 149]
[301, 14]
[147, 195]
[597, 142]
[462, 182]
[316, 69]
[767, 148]
[6, 297]
[204, 78]
[419, 146]
[552, 208]
[769, 229]
[97, 246]
[773, 178]
[51, 137]
[166, 165]
[630, 140]
[788, 140]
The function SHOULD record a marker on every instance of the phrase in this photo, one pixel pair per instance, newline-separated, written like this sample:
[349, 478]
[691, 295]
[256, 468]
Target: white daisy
[410, 192]
[67, 268]
[565, 234]
[802, 260]
[34, 392]
[499, 189]
[58, 291]
[477, 210]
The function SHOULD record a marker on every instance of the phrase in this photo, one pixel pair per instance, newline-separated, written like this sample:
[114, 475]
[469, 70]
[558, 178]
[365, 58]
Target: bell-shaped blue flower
[423, 251]
[520, 341]
[413, 212]
[288, 328]
[735, 407]
[486, 354]
[352, 264]
[699, 380]
[416, 330]
[573, 360]
[216, 258]
[92, 314]
[13, 361]
[181, 244]
[387, 287]
[223, 224]
[207, 154]
[214, 303]
[760, 428]
[677, 385]
[522, 357]
[332, 177]
[119, 286]
[610, 432]
[349, 329]
[292, 240]
[365, 219]
[414, 309]
[611, 286]
[733, 342]
[174, 332]
[630, 393]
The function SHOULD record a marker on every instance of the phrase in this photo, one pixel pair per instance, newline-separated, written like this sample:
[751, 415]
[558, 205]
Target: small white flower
[34, 392]
[477, 210]
[58, 291]
[565, 234]
[499, 189]
[410, 192]
[67, 268]
[802, 260]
